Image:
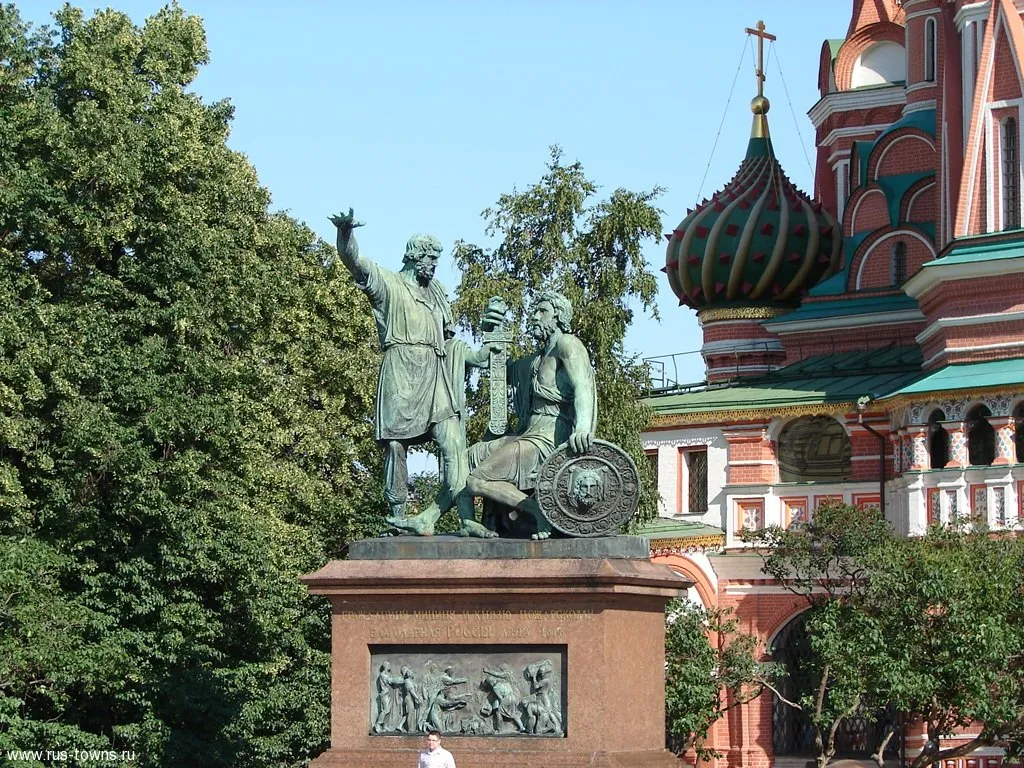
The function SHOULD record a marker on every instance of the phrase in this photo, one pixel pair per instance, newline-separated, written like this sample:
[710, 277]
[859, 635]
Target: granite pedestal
[595, 607]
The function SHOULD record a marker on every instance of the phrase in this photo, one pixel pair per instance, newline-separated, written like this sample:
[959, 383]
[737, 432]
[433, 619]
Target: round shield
[588, 494]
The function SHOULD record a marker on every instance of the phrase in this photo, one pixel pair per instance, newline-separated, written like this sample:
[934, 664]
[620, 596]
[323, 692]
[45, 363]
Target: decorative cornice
[918, 106]
[936, 272]
[969, 13]
[847, 101]
[856, 130]
[740, 345]
[712, 314]
[703, 417]
[961, 320]
[895, 317]
[688, 545]
[896, 401]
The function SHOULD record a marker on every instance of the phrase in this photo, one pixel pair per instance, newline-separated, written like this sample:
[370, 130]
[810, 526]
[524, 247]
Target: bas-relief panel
[468, 690]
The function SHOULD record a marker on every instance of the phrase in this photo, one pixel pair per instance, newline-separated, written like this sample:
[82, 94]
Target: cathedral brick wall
[802, 345]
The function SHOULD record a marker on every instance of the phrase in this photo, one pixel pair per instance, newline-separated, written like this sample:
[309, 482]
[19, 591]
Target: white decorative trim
[742, 369]
[977, 348]
[751, 462]
[921, 86]
[889, 236]
[846, 101]
[919, 106]
[910, 205]
[926, 279]
[723, 323]
[856, 208]
[895, 317]
[855, 130]
[759, 589]
[839, 153]
[896, 141]
[990, 192]
[741, 345]
[842, 171]
[1008, 104]
[969, 13]
[1004, 103]
[956, 322]
[918, 14]
[934, 53]
[944, 203]
[976, 149]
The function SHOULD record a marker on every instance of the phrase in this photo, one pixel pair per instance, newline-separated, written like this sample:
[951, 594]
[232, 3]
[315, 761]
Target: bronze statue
[556, 403]
[417, 399]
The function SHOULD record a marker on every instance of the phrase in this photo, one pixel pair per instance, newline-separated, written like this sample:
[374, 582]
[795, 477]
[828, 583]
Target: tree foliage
[710, 667]
[931, 626]
[823, 561]
[184, 412]
[951, 606]
[553, 235]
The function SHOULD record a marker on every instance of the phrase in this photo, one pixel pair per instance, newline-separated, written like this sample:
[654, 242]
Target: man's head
[551, 311]
[588, 488]
[421, 254]
[433, 740]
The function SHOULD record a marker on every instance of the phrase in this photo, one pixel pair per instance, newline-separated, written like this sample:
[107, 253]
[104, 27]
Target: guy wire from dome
[759, 241]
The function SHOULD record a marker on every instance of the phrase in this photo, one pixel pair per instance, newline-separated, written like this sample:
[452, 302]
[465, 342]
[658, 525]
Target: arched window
[938, 441]
[1011, 174]
[792, 731]
[882, 63]
[899, 263]
[814, 448]
[1018, 431]
[929, 50]
[981, 437]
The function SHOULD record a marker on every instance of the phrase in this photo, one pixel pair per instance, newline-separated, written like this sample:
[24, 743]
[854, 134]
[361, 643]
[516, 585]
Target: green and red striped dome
[758, 242]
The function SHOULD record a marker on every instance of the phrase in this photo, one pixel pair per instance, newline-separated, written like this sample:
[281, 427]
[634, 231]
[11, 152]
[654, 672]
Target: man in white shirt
[435, 756]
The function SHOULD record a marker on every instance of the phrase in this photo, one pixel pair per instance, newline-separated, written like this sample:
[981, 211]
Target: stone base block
[512, 755]
[598, 622]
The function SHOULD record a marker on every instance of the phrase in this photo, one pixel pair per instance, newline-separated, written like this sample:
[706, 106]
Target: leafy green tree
[825, 562]
[186, 412]
[950, 608]
[710, 667]
[553, 235]
[931, 626]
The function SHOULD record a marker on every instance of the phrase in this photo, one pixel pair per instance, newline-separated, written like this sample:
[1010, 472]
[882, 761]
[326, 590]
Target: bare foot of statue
[474, 529]
[419, 525]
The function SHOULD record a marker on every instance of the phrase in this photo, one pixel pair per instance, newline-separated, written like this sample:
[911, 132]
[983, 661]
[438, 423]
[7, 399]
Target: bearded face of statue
[588, 489]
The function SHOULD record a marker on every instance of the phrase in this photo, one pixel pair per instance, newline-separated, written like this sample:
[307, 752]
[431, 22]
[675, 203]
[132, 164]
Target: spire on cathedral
[759, 241]
[760, 105]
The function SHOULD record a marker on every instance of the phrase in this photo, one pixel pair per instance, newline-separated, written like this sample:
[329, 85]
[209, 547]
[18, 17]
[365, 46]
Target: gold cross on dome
[761, 37]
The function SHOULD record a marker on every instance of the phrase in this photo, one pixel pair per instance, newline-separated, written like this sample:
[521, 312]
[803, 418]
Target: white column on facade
[967, 60]
[842, 169]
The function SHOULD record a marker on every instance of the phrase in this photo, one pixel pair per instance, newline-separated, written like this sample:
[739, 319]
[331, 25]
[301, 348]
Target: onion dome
[760, 241]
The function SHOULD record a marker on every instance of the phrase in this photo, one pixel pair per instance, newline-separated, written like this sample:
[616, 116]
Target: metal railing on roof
[663, 370]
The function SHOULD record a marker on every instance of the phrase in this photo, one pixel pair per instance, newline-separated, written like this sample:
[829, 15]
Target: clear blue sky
[420, 114]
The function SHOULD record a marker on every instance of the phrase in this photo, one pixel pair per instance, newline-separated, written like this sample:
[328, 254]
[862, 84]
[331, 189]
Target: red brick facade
[930, 201]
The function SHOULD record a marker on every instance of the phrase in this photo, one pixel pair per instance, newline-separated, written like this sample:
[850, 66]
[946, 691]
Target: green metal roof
[860, 305]
[817, 380]
[921, 119]
[667, 528]
[970, 250]
[994, 373]
[834, 44]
